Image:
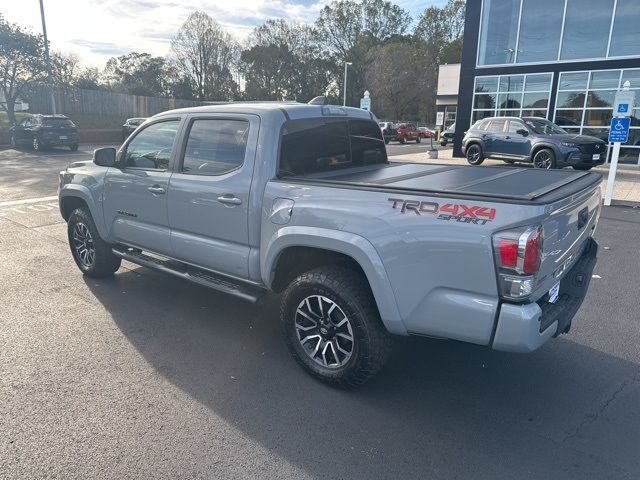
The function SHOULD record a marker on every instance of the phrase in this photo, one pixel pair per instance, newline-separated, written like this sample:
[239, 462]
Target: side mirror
[105, 157]
[522, 132]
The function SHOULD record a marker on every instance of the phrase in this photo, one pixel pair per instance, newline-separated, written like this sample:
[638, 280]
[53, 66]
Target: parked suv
[40, 131]
[533, 140]
[448, 135]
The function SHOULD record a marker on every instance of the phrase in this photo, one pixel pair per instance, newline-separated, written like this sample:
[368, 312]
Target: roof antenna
[321, 100]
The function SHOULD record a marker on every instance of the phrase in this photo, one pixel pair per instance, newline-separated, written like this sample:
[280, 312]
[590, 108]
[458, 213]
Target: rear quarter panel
[441, 272]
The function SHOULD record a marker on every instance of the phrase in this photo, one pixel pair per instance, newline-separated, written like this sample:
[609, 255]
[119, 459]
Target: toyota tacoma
[302, 200]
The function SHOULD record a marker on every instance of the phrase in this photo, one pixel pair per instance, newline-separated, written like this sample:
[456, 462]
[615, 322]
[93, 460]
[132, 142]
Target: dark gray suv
[533, 140]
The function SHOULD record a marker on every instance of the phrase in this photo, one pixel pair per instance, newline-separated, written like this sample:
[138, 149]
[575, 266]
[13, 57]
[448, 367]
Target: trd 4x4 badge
[455, 212]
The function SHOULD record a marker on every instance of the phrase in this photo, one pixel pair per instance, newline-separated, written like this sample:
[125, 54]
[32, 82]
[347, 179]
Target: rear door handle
[156, 189]
[229, 199]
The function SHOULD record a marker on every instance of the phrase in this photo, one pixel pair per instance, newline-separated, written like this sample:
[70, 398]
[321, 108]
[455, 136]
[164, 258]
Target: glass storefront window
[520, 95]
[604, 79]
[629, 155]
[573, 81]
[538, 83]
[499, 30]
[566, 118]
[511, 83]
[601, 98]
[633, 76]
[625, 37]
[535, 100]
[539, 34]
[601, 133]
[586, 29]
[570, 100]
[597, 118]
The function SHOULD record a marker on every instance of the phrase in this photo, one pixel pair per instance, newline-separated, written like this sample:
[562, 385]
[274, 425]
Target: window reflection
[625, 38]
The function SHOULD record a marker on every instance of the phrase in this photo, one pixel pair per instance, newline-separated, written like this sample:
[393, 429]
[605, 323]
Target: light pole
[344, 100]
[47, 59]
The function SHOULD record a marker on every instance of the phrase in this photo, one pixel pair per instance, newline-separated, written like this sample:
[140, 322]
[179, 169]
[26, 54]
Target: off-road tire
[105, 263]
[372, 343]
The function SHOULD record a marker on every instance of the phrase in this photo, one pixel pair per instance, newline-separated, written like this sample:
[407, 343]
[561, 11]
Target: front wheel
[332, 326]
[474, 154]
[402, 140]
[92, 254]
[544, 158]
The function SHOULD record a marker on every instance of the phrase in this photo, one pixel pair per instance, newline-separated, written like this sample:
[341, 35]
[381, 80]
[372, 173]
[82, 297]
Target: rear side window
[215, 146]
[496, 126]
[57, 122]
[322, 145]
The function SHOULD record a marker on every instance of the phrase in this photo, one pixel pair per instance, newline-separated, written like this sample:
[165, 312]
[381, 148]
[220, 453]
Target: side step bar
[209, 279]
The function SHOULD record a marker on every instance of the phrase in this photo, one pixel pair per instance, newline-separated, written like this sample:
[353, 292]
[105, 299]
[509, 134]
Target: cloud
[101, 48]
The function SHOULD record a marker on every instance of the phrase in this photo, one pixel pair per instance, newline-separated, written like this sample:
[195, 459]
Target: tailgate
[566, 228]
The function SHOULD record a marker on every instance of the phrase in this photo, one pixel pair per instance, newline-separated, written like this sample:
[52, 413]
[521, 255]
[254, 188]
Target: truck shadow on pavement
[439, 408]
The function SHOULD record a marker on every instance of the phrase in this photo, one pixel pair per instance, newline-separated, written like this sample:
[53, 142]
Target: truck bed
[506, 184]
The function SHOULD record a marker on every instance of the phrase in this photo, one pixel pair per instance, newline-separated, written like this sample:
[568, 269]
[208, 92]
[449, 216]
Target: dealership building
[559, 59]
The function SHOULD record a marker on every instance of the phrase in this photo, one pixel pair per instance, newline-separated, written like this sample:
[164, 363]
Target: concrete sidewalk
[626, 189]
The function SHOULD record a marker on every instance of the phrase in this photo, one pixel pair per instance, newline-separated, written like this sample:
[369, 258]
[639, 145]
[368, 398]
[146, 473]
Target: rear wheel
[544, 158]
[92, 254]
[332, 326]
[474, 154]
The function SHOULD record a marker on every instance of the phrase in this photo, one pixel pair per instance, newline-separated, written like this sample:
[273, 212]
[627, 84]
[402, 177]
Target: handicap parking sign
[619, 130]
[623, 108]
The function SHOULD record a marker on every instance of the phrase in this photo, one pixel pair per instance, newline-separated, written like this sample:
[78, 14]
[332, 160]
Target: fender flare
[352, 245]
[551, 146]
[73, 190]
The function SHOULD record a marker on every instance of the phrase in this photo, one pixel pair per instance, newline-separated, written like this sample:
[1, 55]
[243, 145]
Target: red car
[425, 132]
[406, 132]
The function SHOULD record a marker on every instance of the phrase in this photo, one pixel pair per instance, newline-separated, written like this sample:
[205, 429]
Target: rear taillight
[518, 255]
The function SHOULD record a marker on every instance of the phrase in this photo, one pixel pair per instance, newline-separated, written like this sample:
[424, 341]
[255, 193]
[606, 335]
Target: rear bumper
[59, 141]
[524, 328]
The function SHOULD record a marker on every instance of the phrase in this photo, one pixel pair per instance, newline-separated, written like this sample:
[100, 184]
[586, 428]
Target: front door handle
[230, 199]
[156, 189]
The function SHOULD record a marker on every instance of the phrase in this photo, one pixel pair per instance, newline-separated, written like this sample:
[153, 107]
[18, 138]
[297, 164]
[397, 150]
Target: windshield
[545, 127]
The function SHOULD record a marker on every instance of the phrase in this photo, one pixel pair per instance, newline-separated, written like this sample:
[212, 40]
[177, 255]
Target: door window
[151, 148]
[515, 125]
[496, 126]
[215, 146]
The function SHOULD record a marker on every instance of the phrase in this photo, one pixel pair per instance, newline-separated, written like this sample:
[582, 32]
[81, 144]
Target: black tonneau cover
[510, 184]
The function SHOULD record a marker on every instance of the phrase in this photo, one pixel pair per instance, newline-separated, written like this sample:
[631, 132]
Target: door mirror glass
[522, 132]
[105, 157]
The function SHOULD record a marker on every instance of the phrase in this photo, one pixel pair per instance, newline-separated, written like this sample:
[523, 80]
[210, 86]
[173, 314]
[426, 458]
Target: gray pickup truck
[301, 199]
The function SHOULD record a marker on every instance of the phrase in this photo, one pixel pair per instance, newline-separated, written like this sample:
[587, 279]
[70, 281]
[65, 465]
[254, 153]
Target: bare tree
[208, 55]
[21, 63]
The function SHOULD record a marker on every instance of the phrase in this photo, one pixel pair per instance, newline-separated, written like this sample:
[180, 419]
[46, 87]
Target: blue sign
[623, 108]
[619, 130]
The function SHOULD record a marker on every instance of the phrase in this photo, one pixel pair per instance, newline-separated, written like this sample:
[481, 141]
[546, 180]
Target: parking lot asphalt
[147, 376]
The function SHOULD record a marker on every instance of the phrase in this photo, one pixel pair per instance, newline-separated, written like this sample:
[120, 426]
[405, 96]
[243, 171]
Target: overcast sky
[99, 29]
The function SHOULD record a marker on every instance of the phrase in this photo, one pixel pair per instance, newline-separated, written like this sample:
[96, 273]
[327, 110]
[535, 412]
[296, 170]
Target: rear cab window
[57, 122]
[326, 144]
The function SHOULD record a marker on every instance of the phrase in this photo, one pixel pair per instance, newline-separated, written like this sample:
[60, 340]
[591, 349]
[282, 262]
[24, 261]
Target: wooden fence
[103, 103]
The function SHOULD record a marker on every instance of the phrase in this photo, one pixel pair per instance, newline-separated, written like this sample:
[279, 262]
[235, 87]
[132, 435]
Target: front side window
[544, 127]
[151, 147]
[215, 146]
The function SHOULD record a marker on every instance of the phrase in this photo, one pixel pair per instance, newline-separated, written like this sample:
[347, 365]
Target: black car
[130, 125]
[447, 135]
[533, 140]
[41, 131]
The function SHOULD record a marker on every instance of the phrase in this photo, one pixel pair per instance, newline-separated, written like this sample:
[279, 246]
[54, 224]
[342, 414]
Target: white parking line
[11, 203]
